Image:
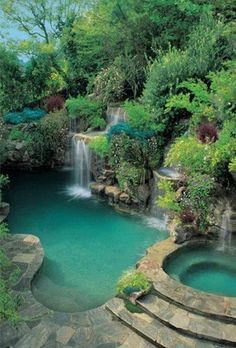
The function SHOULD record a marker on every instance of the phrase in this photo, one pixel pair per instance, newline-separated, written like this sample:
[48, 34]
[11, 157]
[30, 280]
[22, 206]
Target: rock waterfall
[81, 161]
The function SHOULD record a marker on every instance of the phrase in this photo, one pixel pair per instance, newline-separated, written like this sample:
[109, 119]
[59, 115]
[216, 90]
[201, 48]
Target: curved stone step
[188, 323]
[153, 330]
[211, 306]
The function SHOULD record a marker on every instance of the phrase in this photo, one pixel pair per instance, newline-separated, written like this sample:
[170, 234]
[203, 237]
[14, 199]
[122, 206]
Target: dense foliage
[8, 302]
[99, 145]
[48, 137]
[87, 111]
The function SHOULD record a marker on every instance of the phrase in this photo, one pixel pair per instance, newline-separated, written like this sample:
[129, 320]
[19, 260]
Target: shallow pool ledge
[219, 307]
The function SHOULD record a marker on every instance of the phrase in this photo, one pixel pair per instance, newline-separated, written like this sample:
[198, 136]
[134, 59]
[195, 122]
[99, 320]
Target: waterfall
[226, 229]
[81, 160]
[115, 115]
[158, 215]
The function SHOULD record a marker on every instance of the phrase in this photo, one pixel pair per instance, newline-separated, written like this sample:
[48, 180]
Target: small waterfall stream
[158, 215]
[81, 161]
[115, 115]
[226, 229]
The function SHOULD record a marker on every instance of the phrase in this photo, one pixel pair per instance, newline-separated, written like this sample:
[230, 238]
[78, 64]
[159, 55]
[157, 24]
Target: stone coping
[220, 307]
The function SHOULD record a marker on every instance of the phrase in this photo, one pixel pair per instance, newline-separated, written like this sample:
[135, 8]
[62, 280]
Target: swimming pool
[87, 244]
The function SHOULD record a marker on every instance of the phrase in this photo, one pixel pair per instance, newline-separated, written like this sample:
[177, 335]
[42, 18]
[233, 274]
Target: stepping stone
[64, 334]
[37, 337]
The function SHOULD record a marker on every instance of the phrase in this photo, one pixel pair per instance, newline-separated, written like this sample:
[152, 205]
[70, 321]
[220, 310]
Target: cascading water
[158, 215]
[115, 115]
[81, 158]
[226, 229]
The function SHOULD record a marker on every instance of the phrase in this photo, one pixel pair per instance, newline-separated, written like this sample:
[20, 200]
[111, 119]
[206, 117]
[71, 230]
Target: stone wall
[224, 205]
[119, 199]
[22, 154]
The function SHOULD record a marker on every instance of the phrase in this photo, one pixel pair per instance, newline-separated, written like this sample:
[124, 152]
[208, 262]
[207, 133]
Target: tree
[41, 19]
[12, 82]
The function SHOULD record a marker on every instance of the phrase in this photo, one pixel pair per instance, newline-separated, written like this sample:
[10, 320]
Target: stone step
[153, 330]
[220, 309]
[188, 323]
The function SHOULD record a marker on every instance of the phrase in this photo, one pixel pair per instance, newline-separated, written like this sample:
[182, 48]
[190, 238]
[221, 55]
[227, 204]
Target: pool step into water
[154, 330]
[210, 306]
[188, 323]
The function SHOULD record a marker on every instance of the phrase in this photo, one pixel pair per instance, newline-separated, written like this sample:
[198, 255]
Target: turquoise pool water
[87, 244]
[205, 268]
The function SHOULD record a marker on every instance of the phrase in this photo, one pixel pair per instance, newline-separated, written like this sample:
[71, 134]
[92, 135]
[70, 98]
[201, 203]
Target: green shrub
[144, 154]
[215, 103]
[232, 165]
[89, 110]
[131, 158]
[109, 84]
[204, 164]
[50, 136]
[139, 118]
[168, 200]
[205, 52]
[224, 150]
[189, 155]
[192, 157]
[4, 180]
[199, 192]
[132, 281]
[4, 262]
[99, 145]
[165, 73]
[3, 229]
[19, 135]
[129, 177]
[8, 302]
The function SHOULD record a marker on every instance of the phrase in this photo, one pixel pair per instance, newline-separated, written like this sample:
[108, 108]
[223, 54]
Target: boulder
[97, 188]
[19, 146]
[113, 192]
[183, 233]
[101, 179]
[108, 173]
[125, 198]
[4, 208]
[143, 193]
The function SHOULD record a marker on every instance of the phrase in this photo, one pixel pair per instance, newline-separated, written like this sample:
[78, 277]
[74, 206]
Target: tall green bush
[90, 111]
[215, 103]
[207, 47]
[49, 137]
[129, 177]
[100, 145]
[8, 302]
[139, 118]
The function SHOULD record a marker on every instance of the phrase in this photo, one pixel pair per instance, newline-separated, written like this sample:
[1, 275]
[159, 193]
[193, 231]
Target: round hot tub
[204, 267]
